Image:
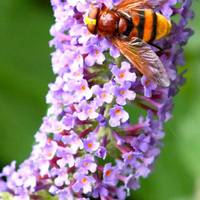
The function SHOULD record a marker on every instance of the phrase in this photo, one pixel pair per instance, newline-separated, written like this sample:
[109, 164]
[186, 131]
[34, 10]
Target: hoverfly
[130, 27]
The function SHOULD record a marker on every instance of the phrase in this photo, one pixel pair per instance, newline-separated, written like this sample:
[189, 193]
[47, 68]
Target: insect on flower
[131, 26]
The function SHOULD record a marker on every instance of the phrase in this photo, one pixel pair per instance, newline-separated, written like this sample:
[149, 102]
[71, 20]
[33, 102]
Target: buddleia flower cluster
[104, 125]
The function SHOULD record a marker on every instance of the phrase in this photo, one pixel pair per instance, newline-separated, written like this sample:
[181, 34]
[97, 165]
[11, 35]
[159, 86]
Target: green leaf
[6, 196]
[46, 195]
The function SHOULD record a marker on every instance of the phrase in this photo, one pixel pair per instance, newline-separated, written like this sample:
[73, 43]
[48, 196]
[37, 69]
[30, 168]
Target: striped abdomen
[146, 25]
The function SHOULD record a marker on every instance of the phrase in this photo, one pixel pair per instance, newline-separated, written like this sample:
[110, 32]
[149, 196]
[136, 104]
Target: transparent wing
[131, 4]
[140, 54]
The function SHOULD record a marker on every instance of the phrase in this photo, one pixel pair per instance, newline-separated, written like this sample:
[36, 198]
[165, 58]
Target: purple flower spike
[61, 177]
[117, 116]
[100, 191]
[8, 170]
[149, 86]
[72, 142]
[130, 158]
[86, 111]
[91, 144]
[83, 183]
[101, 152]
[68, 121]
[110, 175]
[123, 94]
[123, 74]
[3, 186]
[103, 95]
[95, 56]
[50, 150]
[91, 120]
[87, 163]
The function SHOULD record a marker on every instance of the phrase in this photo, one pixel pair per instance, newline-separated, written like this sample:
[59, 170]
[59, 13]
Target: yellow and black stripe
[147, 25]
[150, 26]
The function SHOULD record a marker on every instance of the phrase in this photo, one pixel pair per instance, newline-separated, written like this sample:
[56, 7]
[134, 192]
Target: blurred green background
[25, 72]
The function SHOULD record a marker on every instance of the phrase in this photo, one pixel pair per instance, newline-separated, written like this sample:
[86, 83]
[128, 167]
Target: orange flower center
[90, 145]
[108, 172]
[117, 111]
[49, 154]
[121, 75]
[122, 92]
[103, 95]
[84, 180]
[85, 164]
[130, 157]
[97, 52]
[147, 82]
[83, 87]
[90, 111]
